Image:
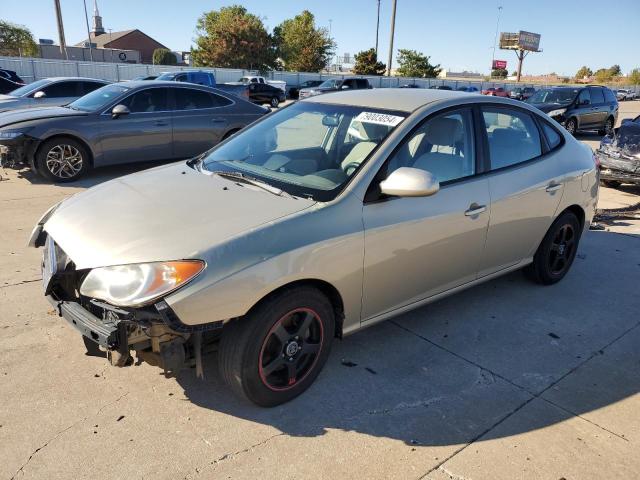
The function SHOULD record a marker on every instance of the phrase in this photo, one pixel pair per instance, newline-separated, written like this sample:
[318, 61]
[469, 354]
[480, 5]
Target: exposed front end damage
[154, 333]
[619, 154]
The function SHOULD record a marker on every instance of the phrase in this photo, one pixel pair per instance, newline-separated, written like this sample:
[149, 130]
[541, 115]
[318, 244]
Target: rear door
[525, 182]
[142, 135]
[200, 119]
[584, 109]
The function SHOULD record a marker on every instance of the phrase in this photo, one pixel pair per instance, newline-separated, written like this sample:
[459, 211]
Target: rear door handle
[218, 120]
[475, 209]
[161, 123]
[552, 187]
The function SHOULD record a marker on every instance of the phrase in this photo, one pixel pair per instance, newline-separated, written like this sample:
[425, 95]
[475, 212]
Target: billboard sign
[499, 65]
[529, 41]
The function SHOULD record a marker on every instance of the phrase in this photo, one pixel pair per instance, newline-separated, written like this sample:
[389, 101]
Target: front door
[144, 134]
[416, 247]
[525, 185]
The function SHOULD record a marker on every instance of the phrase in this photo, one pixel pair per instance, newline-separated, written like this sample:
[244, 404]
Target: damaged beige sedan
[320, 219]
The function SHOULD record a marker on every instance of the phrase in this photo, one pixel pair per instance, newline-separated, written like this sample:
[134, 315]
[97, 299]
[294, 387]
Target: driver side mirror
[345, 87]
[585, 101]
[119, 110]
[39, 94]
[410, 182]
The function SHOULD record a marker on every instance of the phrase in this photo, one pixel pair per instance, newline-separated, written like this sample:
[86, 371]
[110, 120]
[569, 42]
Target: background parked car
[7, 85]
[262, 93]
[495, 92]
[294, 92]
[11, 75]
[585, 108]
[249, 79]
[146, 77]
[334, 85]
[49, 92]
[521, 93]
[440, 87]
[122, 123]
[469, 89]
[208, 79]
[409, 85]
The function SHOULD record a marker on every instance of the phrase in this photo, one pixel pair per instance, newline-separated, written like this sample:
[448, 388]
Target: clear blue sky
[458, 34]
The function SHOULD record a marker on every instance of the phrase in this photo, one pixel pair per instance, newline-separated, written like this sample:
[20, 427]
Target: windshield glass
[561, 95]
[31, 87]
[307, 149]
[99, 98]
[328, 84]
[166, 76]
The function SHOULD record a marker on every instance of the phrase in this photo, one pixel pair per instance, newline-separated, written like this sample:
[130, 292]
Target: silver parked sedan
[49, 92]
[325, 217]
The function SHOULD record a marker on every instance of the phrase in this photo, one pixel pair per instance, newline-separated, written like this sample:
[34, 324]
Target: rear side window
[553, 137]
[609, 96]
[596, 95]
[181, 77]
[362, 83]
[191, 99]
[512, 135]
[61, 89]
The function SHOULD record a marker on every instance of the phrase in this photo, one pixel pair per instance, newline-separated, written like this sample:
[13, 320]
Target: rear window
[191, 99]
[609, 96]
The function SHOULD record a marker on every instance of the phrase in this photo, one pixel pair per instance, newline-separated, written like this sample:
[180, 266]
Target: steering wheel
[350, 167]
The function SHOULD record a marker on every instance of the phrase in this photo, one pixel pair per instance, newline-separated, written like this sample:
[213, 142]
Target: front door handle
[552, 187]
[218, 120]
[475, 209]
[161, 123]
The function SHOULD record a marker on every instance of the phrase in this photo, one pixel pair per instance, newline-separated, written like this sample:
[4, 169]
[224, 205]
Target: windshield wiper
[239, 176]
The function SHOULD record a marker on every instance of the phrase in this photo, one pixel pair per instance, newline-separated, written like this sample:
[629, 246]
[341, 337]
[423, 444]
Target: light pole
[110, 44]
[63, 44]
[495, 38]
[331, 58]
[377, 29]
[393, 26]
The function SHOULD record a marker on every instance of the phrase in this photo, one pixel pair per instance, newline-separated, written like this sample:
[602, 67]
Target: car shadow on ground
[449, 372]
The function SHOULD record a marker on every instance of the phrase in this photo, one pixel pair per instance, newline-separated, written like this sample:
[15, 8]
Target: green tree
[302, 46]
[16, 40]
[603, 75]
[634, 76]
[583, 72]
[162, 56]
[415, 64]
[233, 38]
[367, 63]
[615, 71]
[500, 73]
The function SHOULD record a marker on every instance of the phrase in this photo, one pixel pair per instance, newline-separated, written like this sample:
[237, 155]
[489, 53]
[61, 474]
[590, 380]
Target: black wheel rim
[291, 349]
[562, 249]
[274, 102]
[608, 127]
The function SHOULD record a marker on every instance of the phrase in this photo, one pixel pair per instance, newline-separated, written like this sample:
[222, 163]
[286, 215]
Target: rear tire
[611, 183]
[62, 159]
[275, 352]
[608, 127]
[556, 252]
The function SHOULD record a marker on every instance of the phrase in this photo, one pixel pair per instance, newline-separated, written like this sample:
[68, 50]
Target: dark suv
[579, 108]
[522, 93]
[334, 85]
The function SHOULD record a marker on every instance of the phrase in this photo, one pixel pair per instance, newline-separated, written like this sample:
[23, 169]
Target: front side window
[584, 98]
[596, 95]
[307, 149]
[328, 84]
[32, 87]
[512, 135]
[443, 146]
[147, 101]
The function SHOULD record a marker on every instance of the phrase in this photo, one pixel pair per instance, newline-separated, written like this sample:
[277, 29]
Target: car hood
[171, 212]
[8, 102]
[547, 107]
[30, 114]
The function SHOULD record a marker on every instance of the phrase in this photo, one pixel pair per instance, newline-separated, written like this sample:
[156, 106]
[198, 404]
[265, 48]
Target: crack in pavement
[534, 396]
[61, 432]
[452, 475]
[21, 283]
[229, 456]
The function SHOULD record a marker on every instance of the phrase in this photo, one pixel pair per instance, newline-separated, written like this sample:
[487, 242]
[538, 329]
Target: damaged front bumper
[18, 151]
[619, 168]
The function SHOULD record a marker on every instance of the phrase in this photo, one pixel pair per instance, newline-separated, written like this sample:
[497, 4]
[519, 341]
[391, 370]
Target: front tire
[556, 253]
[274, 353]
[571, 126]
[275, 101]
[62, 160]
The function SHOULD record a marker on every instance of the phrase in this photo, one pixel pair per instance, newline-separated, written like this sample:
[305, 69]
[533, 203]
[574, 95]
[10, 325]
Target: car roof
[402, 99]
[57, 79]
[156, 83]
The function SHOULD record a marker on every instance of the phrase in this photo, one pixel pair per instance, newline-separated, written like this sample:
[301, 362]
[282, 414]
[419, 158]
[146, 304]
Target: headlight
[138, 284]
[555, 113]
[10, 135]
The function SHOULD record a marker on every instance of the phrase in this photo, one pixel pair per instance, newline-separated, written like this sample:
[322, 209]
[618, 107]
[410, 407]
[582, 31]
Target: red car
[495, 92]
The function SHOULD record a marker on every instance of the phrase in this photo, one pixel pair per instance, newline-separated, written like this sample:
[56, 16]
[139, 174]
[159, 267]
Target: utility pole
[377, 29]
[86, 18]
[330, 59]
[393, 27]
[63, 44]
[495, 38]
